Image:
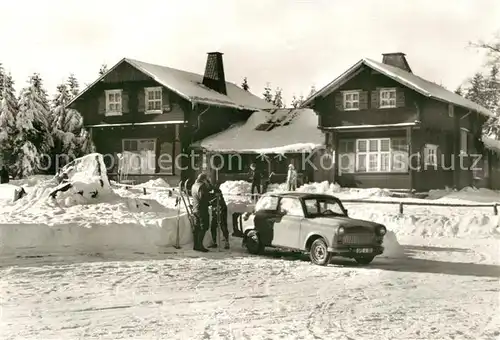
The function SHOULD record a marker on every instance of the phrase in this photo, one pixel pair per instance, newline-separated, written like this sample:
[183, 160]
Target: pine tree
[2, 77]
[73, 86]
[492, 88]
[278, 98]
[8, 112]
[296, 102]
[459, 91]
[268, 97]
[476, 91]
[103, 70]
[70, 138]
[33, 139]
[245, 85]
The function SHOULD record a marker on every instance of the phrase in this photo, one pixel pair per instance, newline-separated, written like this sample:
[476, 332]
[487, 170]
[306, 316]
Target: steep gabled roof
[274, 132]
[189, 86]
[410, 80]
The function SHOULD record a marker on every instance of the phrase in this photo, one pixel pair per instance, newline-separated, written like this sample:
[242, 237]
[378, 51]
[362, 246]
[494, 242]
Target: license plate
[364, 250]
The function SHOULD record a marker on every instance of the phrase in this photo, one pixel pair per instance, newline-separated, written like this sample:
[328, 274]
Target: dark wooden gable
[125, 72]
[369, 83]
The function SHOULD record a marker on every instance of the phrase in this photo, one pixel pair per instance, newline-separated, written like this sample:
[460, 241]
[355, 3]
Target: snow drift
[78, 210]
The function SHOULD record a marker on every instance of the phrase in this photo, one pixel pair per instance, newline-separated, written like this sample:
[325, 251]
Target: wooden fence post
[144, 190]
[401, 208]
[495, 209]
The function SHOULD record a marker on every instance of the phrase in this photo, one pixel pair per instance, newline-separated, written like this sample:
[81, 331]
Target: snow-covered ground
[105, 268]
[444, 289]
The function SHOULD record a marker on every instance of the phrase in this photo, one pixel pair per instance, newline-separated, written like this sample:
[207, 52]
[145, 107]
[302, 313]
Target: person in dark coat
[4, 175]
[219, 211]
[255, 178]
[200, 191]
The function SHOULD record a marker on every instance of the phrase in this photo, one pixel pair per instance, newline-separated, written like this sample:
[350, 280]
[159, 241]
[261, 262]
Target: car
[316, 224]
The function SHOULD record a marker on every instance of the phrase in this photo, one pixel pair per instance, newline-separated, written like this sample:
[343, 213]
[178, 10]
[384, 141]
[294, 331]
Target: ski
[187, 205]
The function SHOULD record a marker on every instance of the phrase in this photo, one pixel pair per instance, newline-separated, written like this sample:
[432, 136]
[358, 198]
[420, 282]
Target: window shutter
[400, 97]
[375, 98]
[125, 101]
[141, 101]
[102, 103]
[165, 97]
[363, 100]
[339, 105]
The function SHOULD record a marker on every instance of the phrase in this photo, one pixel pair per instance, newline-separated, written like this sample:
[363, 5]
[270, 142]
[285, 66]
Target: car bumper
[355, 250]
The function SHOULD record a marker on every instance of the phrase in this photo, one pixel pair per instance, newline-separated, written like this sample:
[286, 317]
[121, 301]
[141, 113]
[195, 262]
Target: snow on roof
[189, 86]
[418, 84]
[276, 132]
[491, 143]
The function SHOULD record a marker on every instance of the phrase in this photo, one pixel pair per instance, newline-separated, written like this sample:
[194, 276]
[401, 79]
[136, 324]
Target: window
[347, 155]
[319, 206]
[291, 206]
[113, 102]
[139, 156]
[387, 98]
[463, 141]
[154, 101]
[351, 100]
[267, 202]
[399, 155]
[373, 155]
[430, 155]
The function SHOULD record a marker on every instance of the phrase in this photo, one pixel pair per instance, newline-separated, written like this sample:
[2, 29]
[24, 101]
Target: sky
[292, 44]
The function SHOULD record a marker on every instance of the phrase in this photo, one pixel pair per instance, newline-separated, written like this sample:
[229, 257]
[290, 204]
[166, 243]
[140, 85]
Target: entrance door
[286, 230]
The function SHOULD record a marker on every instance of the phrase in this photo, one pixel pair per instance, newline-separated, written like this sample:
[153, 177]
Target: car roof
[303, 195]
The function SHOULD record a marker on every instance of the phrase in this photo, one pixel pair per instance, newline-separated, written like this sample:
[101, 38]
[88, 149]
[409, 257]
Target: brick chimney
[396, 59]
[214, 73]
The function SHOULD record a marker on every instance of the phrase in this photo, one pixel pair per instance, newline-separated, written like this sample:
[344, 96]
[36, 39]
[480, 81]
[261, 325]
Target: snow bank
[234, 188]
[431, 221]
[88, 216]
[155, 183]
[8, 192]
[147, 235]
[465, 195]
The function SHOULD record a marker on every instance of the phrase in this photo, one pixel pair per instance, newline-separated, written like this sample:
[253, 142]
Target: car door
[286, 228]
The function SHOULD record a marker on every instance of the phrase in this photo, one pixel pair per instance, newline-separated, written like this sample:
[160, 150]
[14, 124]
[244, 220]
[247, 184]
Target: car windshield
[324, 207]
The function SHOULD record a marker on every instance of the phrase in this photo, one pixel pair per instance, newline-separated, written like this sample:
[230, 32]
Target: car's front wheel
[253, 243]
[364, 260]
[319, 253]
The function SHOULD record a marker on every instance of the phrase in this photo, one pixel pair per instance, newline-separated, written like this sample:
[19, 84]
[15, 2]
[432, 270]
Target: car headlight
[341, 230]
[381, 230]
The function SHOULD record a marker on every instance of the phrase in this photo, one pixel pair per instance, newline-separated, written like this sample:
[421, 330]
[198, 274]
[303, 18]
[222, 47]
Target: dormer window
[387, 98]
[154, 101]
[113, 102]
[351, 100]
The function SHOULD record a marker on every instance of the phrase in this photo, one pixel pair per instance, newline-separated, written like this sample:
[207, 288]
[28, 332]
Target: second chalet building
[393, 129]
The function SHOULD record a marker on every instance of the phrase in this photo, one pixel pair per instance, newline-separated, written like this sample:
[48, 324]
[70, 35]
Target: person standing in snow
[219, 211]
[4, 175]
[255, 179]
[291, 178]
[200, 191]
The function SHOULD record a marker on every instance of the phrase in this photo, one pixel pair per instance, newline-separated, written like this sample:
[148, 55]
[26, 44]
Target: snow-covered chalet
[142, 116]
[393, 129]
